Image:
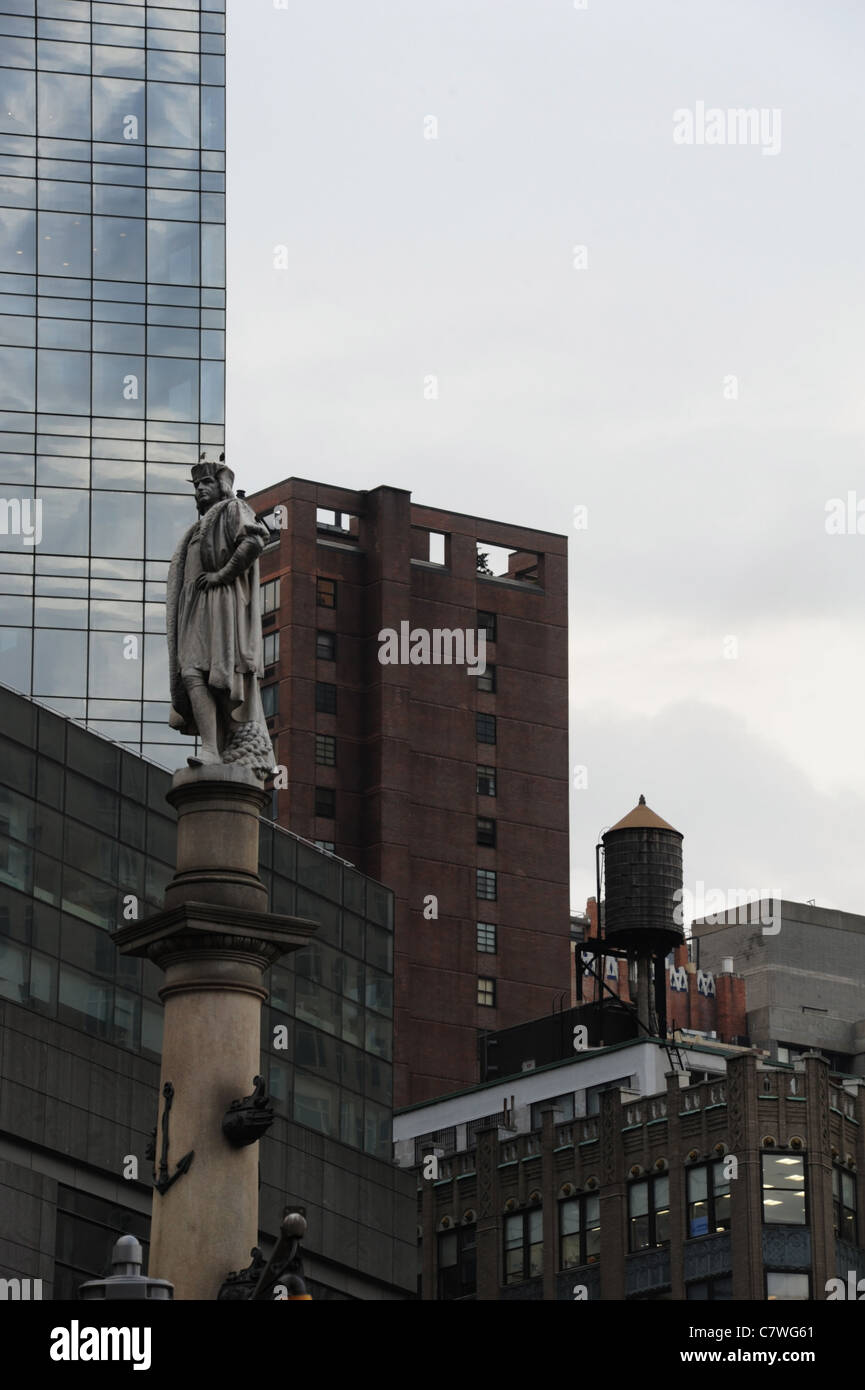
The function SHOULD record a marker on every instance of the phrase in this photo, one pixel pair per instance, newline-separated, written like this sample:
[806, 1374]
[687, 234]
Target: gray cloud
[750, 819]
[605, 386]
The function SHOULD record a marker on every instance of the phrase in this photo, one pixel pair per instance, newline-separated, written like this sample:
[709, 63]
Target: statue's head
[212, 482]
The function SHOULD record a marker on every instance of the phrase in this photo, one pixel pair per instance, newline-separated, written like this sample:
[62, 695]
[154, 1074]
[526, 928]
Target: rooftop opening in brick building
[429, 547]
[498, 562]
[343, 524]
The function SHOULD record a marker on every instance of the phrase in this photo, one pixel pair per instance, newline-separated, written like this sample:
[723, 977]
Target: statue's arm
[251, 541]
[245, 554]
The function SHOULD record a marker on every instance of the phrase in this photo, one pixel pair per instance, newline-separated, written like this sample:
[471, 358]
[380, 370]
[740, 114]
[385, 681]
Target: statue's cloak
[234, 616]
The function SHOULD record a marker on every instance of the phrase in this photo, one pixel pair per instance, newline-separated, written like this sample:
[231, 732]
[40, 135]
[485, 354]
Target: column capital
[199, 930]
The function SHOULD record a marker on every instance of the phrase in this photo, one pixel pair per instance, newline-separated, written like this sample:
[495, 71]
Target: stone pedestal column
[613, 1195]
[743, 1138]
[214, 939]
[818, 1171]
[549, 1187]
[490, 1218]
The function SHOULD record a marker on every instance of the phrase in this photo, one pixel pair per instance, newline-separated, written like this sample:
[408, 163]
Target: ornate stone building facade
[745, 1186]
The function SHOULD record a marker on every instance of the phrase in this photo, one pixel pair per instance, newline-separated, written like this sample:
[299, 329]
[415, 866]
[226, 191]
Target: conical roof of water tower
[643, 816]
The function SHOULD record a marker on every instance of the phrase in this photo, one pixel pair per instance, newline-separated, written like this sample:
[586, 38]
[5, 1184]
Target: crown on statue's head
[220, 471]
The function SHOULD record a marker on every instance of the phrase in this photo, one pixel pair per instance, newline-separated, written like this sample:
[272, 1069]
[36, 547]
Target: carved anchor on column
[163, 1181]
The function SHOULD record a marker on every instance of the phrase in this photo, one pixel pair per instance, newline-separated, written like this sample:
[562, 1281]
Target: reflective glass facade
[87, 837]
[112, 334]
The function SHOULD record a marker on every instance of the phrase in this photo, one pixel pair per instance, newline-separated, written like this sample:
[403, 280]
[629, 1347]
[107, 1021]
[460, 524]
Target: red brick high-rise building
[451, 788]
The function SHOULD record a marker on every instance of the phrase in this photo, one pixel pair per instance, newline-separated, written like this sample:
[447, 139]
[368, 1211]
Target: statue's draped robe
[216, 630]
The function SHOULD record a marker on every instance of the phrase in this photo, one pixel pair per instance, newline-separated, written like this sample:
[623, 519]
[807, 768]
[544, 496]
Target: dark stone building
[451, 788]
[86, 844]
[746, 1185]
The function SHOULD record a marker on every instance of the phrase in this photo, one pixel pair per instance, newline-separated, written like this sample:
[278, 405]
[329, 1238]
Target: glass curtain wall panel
[112, 341]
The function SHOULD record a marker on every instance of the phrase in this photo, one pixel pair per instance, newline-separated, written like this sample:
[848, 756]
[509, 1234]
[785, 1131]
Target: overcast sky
[607, 386]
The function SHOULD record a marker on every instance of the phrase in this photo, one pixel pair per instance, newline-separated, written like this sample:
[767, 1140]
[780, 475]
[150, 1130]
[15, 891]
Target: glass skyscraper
[112, 341]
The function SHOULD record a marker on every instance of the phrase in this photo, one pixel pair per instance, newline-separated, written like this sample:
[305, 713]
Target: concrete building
[804, 973]
[448, 786]
[112, 341]
[572, 1084]
[604, 1178]
[87, 844]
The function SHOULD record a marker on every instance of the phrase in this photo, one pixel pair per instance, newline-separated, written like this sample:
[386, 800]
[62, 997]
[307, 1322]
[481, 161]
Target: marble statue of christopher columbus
[213, 623]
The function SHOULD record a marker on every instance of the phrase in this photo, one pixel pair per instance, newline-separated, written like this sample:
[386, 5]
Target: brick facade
[406, 753]
[802, 1113]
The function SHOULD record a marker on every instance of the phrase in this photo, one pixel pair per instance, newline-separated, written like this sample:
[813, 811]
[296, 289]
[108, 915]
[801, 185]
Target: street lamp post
[126, 1280]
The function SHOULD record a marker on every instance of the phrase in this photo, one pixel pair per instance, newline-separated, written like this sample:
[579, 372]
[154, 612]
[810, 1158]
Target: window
[437, 548]
[325, 592]
[783, 1189]
[85, 1002]
[485, 728]
[270, 649]
[325, 844]
[457, 1263]
[844, 1204]
[429, 547]
[13, 959]
[325, 750]
[486, 884]
[579, 1230]
[711, 1289]
[649, 1212]
[709, 1199]
[316, 1103]
[487, 624]
[787, 1286]
[270, 596]
[325, 802]
[486, 831]
[325, 697]
[487, 680]
[486, 781]
[500, 562]
[486, 992]
[270, 700]
[346, 523]
[524, 1246]
[325, 646]
[564, 1106]
[487, 937]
